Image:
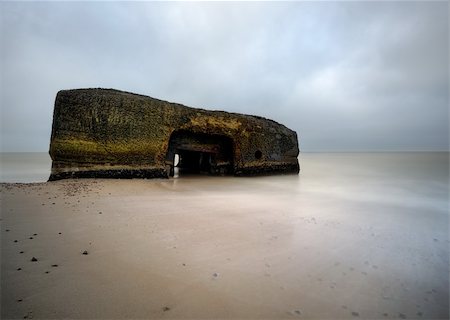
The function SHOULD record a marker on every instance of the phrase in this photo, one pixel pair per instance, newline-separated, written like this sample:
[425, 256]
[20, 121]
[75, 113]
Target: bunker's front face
[354, 236]
[114, 134]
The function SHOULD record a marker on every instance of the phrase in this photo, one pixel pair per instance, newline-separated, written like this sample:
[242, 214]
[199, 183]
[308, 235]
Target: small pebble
[47, 271]
[215, 275]
[34, 259]
[15, 241]
[34, 234]
[59, 232]
[21, 252]
[18, 269]
[19, 300]
[54, 265]
[31, 238]
[85, 252]
[166, 309]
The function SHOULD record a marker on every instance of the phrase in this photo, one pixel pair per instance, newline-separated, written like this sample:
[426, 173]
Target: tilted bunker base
[163, 173]
[106, 133]
[109, 173]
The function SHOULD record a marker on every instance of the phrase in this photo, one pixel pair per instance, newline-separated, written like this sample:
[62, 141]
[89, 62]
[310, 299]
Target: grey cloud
[344, 75]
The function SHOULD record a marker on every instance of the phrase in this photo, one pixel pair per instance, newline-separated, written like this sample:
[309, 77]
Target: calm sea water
[25, 167]
[339, 173]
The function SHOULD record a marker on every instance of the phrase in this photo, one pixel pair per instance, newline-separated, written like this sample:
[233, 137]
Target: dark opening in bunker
[199, 153]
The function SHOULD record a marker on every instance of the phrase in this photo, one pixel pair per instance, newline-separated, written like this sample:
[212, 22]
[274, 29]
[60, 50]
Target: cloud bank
[347, 76]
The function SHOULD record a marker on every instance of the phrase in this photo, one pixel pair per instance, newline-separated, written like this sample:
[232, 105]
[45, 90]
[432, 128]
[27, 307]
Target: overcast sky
[347, 76]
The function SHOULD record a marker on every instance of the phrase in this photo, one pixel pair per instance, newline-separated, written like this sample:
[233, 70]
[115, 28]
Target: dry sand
[223, 247]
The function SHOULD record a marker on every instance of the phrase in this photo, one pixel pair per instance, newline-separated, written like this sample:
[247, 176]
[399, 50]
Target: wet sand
[353, 236]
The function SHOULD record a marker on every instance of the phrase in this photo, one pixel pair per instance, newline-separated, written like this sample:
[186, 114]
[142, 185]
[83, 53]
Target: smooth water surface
[25, 166]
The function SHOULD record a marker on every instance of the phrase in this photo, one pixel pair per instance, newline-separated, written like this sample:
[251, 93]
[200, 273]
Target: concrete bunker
[107, 133]
[200, 153]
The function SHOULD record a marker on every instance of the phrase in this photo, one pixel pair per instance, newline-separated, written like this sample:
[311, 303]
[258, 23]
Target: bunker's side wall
[110, 133]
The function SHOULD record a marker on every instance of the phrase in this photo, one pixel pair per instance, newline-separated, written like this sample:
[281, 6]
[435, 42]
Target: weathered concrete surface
[111, 133]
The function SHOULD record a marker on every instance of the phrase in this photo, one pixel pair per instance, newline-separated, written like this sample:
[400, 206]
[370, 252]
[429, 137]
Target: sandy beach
[342, 240]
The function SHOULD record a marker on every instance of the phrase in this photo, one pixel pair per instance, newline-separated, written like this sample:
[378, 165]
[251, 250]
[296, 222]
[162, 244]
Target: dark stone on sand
[85, 252]
[54, 265]
[18, 269]
[166, 309]
[21, 252]
[19, 300]
[34, 234]
[108, 133]
[34, 259]
[30, 238]
[15, 241]
[7, 230]
[59, 233]
[47, 271]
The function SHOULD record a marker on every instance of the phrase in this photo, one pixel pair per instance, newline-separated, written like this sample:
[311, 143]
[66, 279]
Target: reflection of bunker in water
[115, 134]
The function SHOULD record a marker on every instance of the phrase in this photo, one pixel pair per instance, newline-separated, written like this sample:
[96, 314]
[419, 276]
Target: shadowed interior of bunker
[200, 153]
